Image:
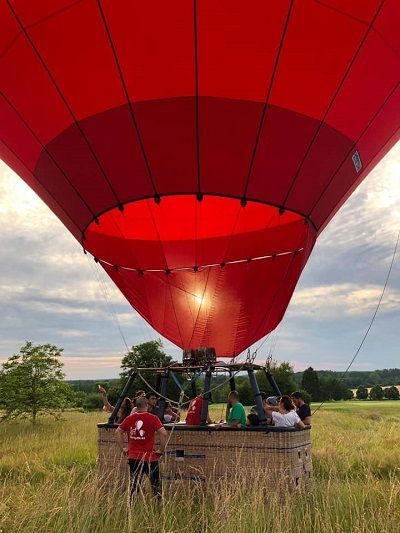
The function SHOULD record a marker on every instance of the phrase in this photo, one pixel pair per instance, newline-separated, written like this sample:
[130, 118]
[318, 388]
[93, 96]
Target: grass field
[47, 482]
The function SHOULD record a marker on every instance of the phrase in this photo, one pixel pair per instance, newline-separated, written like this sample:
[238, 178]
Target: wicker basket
[205, 456]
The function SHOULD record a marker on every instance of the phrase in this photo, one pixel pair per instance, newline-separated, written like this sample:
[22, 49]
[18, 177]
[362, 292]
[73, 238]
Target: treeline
[316, 386]
[378, 393]
[32, 382]
[354, 378]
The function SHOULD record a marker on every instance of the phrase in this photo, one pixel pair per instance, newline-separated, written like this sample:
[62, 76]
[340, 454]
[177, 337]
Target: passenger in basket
[286, 415]
[253, 420]
[141, 428]
[193, 416]
[138, 395]
[235, 413]
[170, 414]
[152, 402]
[267, 402]
[123, 411]
[302, 408]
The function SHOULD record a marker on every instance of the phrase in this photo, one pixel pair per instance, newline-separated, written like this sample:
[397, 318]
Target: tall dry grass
[48, 483]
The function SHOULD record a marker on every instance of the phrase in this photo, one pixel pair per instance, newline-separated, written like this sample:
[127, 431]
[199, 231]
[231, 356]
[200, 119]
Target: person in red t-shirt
[141, 427]
[193, 416]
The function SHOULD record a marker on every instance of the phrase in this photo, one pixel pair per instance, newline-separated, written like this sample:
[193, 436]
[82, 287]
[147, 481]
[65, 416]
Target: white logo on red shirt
[137, 433]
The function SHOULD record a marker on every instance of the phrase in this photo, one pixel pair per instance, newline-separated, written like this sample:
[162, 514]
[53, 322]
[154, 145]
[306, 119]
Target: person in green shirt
[235, 413]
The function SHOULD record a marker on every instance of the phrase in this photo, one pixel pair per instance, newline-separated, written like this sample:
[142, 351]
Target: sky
[50, 292]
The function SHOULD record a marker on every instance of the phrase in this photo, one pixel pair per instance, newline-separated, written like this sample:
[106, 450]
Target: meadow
[48, 482]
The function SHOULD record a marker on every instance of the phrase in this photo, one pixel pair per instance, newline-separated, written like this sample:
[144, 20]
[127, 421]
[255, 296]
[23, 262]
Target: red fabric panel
[27, 85]
[155, 45]
[377, 140]
[75, 49]
[319, 46]
[237, 47]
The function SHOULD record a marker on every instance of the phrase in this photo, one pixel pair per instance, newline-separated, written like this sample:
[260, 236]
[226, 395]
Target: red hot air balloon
[198, 148]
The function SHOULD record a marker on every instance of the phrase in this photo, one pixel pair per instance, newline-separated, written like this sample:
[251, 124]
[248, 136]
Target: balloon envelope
[197, 149]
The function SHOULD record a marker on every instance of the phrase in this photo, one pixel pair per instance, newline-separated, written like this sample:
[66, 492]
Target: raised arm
[106, 404]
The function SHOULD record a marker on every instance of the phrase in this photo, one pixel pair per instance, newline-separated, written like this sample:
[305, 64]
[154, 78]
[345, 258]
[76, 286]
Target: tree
[245, 391]
[348, 394]
[332, 389]
[376, 393]
[392, 393]
[146, 355]
[32, 383]
[283, 375]
[93, 402]
[310, 383]
[361, 393]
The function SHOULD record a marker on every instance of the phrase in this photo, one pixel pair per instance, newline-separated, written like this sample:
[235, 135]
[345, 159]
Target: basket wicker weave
[205, 455]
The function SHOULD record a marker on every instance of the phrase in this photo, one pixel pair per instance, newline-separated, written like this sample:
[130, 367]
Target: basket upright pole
[257, 395]
[206, 396]
[163, 393]
[272, 382]
[232, 383]
[122, 396]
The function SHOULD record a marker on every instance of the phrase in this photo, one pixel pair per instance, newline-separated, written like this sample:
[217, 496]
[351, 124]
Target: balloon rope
[372, 319]
[111, 309]
[187, 403]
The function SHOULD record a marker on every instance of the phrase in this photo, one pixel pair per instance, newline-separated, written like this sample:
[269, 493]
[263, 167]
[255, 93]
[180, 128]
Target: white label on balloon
[357, 161]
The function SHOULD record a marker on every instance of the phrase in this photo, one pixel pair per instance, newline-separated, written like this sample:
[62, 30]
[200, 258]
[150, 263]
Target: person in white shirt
[285, 416]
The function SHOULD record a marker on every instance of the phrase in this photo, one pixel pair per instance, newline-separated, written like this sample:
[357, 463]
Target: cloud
[347, 299]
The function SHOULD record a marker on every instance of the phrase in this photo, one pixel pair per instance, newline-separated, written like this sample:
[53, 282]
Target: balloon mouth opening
[192, 231]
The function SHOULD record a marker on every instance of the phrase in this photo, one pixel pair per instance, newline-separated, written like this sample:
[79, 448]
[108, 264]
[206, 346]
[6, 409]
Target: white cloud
[336, 301]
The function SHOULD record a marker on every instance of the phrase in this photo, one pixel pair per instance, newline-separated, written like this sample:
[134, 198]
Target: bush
[392, 393]
[93, 401]
[348, 394]
[361, 393]
[376, 393]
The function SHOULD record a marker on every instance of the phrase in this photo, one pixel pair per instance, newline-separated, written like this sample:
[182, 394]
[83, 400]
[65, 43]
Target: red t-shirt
[193, 416]
[141, 428]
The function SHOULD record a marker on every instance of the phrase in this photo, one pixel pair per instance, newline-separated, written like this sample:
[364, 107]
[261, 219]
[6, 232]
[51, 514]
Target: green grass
[48, 483]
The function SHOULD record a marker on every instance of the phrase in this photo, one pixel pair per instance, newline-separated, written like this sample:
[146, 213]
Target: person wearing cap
[268, 402]
[302, 408]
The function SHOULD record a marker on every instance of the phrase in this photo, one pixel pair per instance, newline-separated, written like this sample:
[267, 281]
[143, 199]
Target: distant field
[47, 482]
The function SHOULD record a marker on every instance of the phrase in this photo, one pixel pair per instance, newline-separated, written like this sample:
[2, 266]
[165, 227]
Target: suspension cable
[371, 321]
